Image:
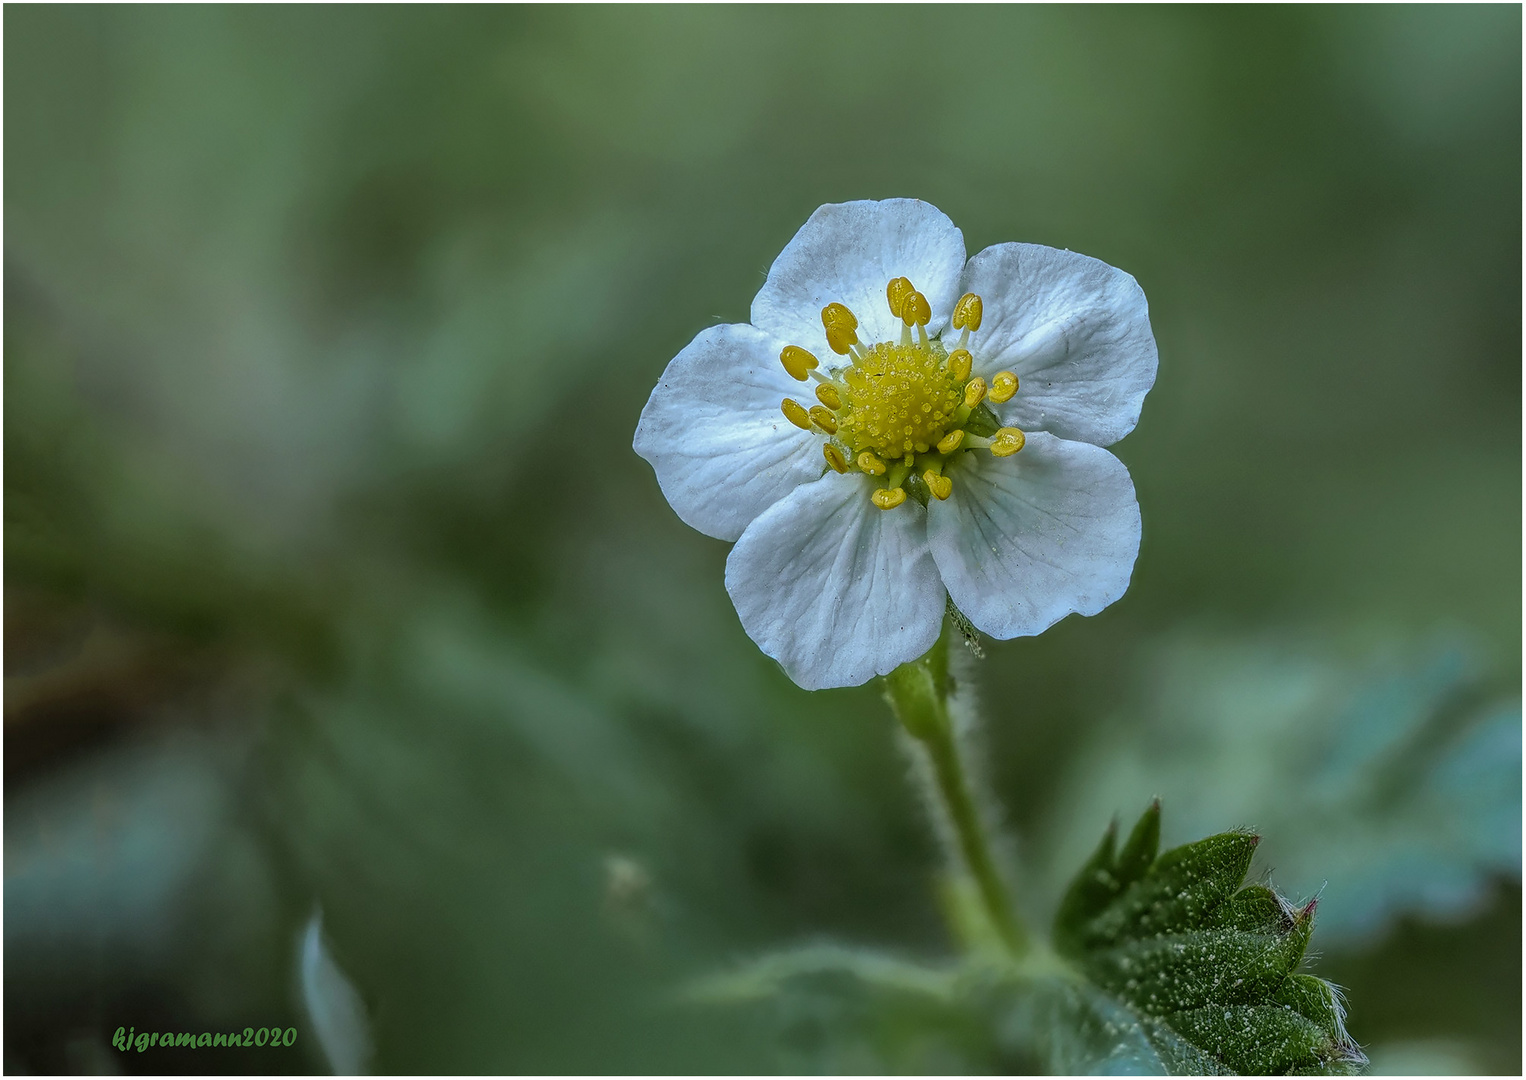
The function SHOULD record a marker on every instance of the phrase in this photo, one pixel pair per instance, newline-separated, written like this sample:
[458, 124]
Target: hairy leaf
[1163, 963]
[1185, 970]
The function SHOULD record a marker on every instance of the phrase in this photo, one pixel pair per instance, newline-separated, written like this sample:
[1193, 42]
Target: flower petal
[712, 430]
[835, 589]
[1075, 330]
[1026, 540]
[848, 253]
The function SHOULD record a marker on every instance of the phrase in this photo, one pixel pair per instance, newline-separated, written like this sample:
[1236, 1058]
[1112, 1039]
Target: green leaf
[1074, 1028]
[1402, 769]
[835, 1009]
[1163, 963]
[1185, 970]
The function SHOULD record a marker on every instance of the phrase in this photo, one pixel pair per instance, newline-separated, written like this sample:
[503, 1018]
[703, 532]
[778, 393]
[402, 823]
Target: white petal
[713, 431]
[835, 589]
[848, 253]
[1025, 540]
[334, 1007]
[1075, 330]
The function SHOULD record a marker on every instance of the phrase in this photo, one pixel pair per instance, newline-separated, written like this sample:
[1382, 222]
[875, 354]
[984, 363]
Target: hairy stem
[918, 694]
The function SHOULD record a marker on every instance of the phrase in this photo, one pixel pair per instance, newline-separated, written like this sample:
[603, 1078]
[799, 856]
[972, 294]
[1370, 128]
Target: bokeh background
[332, 584]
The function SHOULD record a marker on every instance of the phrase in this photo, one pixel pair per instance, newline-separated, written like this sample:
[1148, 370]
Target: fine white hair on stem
[965, 720]
[964, 712]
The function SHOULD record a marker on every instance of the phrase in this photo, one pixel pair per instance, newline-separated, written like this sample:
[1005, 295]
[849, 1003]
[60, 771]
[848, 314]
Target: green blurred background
[332, 581]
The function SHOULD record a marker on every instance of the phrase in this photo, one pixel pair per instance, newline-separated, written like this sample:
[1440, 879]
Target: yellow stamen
[797, 362]
[915, 310]
[841, 327]
[841, 341]
[1007, 442]
[871, 464]
[795, 413]
[835, 314]
[824, 419]
[827, 394]
[950, 442]
[967, 313]
[959, 362]
[974, 392]
[834, 457]
[896, 292]
[1003, 386]
[888, 498]
[939, 485]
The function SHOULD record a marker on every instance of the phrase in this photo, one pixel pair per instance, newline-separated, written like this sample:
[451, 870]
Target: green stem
[918, 694]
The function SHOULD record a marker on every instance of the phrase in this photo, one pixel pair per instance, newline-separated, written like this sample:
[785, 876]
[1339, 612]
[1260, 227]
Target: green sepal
[916, 487]
[983, 421]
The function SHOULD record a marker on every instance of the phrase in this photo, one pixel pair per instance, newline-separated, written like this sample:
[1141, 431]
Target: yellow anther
[974, 392]
[1007, 441]
[795, 413]
[841, 326]
[967, 313]
[835, 314]
[888, 498]
[797, 361]
[824, 419]
[834, 457]
[959, 362]
[1003, 386]
[871, 464]
[827, 394]
[915, 310]
[841, 341]
[939, 485]
[950, 442]
[897, 292]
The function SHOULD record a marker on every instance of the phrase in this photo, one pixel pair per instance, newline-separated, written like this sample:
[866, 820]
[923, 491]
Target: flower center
[898, 398]
[902, 410]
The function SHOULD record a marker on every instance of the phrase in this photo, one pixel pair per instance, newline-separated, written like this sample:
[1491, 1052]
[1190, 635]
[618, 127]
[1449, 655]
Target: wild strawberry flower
[951, 445]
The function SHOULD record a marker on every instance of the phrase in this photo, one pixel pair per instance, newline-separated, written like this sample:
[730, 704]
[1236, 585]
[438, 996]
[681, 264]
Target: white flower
[903, 482]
